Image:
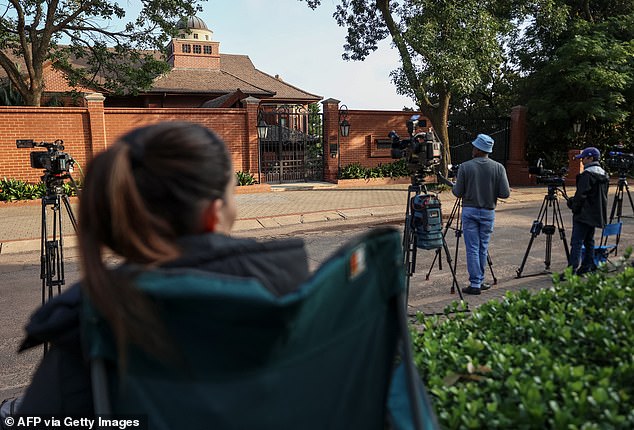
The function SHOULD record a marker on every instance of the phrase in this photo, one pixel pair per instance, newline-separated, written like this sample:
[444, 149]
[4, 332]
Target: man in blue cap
[480, 182]
[589, 209]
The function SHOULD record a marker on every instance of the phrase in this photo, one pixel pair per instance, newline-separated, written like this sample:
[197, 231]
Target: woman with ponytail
[160, 198]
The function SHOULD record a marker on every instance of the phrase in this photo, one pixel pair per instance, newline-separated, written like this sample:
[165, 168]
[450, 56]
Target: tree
[447, 48]
[32, 33]
[578, 62]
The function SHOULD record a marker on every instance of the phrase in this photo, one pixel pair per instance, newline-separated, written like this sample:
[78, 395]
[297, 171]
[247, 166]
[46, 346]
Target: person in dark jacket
[589, 209]
[160, 198]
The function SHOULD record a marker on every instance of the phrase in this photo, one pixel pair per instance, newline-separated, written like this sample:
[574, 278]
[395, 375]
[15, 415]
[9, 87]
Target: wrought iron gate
[293, 149]
[463, 131]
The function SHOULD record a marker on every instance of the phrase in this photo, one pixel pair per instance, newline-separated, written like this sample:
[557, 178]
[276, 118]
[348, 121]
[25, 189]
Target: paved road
[20, 287]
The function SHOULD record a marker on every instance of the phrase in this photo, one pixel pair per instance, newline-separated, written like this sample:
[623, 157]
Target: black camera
[452, 171]
[53, 160]
[548, 177]
[619, 161]
[421, 150]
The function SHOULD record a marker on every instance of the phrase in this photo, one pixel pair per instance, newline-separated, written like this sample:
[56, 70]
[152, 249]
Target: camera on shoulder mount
[619, 161]
[548, 177]
[421, 150]
[53, 160]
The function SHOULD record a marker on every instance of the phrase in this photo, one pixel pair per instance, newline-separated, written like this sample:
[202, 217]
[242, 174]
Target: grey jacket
[480, 182]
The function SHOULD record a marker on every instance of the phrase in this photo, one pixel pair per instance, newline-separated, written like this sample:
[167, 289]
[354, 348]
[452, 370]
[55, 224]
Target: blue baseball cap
[590, 151]
[484, 143]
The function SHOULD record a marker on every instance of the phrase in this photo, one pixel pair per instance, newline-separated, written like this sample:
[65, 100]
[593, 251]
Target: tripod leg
[549, 247]
[69, 211]
[629, 196]
[536, 228]
[490, 263]
[617, 204]
[43, 251]
[450, 220]
[431, 266]
[453, 272]
[562, 230]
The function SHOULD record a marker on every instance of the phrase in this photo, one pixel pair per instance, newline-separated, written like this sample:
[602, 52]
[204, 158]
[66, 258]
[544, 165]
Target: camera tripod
[410, 239]
[550, 204]
[52, 240]
[617, 206]
[455, 215]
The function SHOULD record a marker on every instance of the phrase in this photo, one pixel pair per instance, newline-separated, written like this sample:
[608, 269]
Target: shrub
[390, 170]
[558, 358]
[16, 189]
[245, 178]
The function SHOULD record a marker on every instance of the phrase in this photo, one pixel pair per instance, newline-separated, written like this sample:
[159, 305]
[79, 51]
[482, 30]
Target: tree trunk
[33, 98]
[438, 115]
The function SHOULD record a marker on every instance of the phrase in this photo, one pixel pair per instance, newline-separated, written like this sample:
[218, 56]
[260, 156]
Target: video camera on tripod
[423, 215]
[57, 166]
[53, 160]
[421, 150]
[619, 161]
[549, 177]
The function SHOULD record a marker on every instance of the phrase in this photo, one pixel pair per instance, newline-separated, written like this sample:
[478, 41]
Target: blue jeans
[582, 234]
[477, 225]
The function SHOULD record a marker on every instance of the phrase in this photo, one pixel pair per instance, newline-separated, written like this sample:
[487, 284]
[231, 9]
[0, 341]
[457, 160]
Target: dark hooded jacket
[61, 384]
[590, 202]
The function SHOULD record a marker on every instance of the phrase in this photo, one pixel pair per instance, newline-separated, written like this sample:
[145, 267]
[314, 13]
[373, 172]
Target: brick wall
[367, 142]
[91, 129]
[40, 124]
[82, 134]
[228, 123]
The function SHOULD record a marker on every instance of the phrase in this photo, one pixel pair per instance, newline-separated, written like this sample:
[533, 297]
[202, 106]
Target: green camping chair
[334, 355]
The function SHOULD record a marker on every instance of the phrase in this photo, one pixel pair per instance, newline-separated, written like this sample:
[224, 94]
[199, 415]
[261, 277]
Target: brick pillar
[516, 165]
[251, 146]
[96, 122]
[574, 167]
[331, 132]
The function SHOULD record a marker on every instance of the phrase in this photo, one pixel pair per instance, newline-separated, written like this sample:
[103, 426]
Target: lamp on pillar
[576, 127]
[263, 130]
[344, 131]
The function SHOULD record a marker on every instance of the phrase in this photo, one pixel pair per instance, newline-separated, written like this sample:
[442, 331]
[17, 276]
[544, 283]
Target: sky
[304, 47]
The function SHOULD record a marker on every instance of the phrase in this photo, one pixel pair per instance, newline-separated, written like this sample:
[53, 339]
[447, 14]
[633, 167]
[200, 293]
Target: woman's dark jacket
[61, 384]
[590, 202]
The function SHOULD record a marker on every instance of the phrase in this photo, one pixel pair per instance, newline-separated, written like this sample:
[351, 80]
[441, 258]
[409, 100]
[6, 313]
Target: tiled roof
[237, 72]
[203, 81]
[242, 67]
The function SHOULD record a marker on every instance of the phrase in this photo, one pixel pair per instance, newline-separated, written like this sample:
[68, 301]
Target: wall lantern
[344, 131]
[263, 128]
[344, 128]
[576, 127]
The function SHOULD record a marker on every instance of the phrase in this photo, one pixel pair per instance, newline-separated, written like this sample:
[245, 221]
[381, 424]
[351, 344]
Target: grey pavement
[289, 205]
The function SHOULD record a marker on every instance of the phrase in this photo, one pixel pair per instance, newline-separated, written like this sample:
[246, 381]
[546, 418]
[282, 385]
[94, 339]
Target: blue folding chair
[336, 354]
[604, 250]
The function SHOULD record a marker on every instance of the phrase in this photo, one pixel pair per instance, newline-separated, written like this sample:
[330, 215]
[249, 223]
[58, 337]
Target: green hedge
[561, 358]
[15, 189]
[390, 170]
